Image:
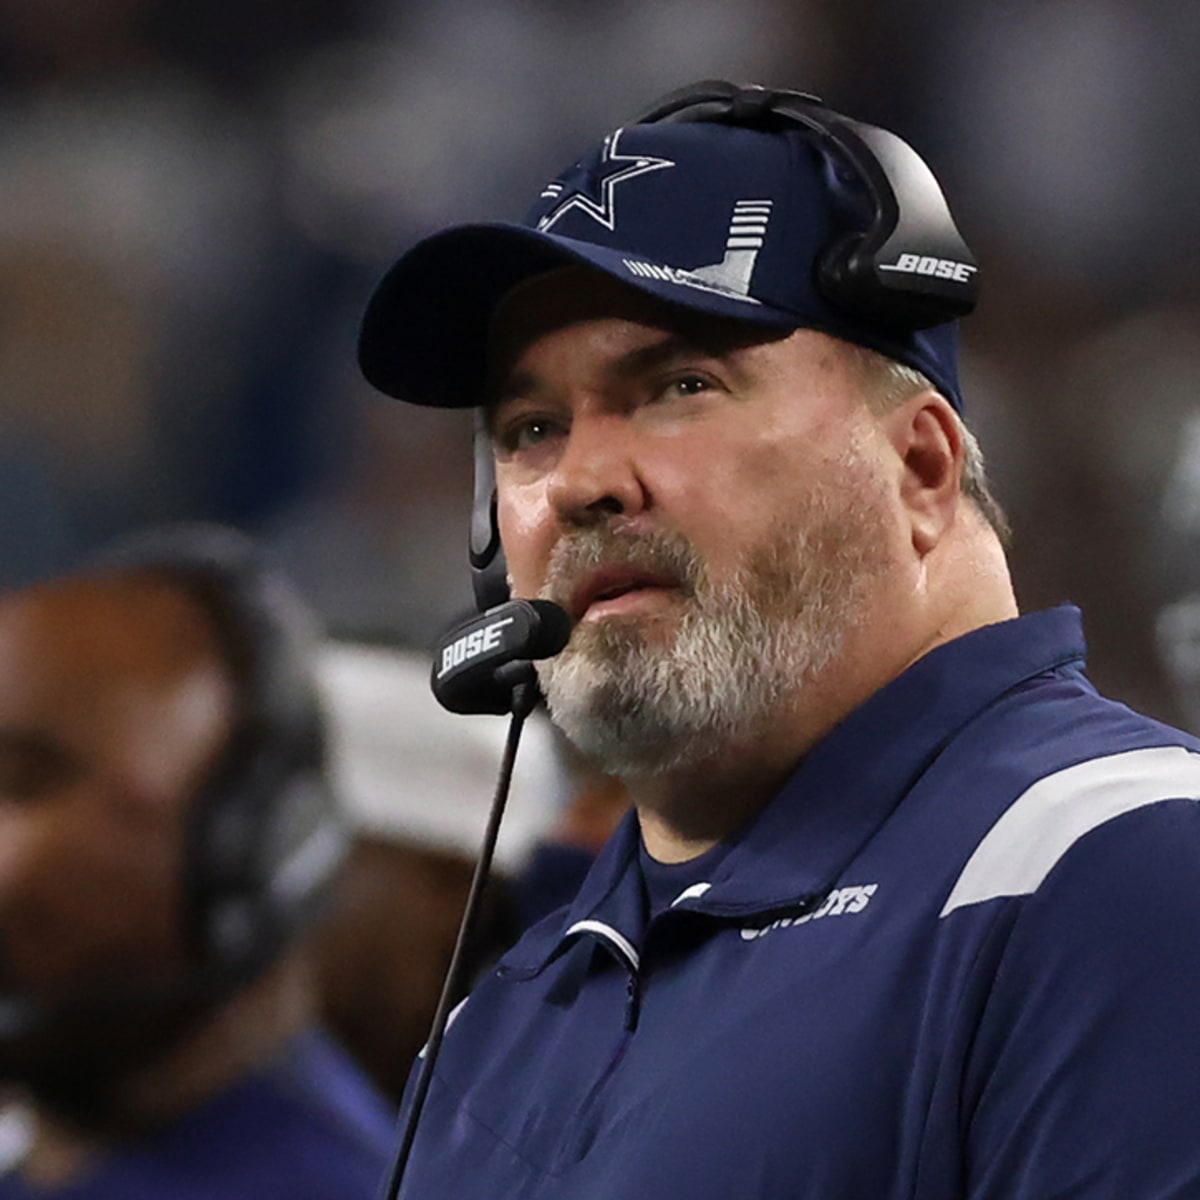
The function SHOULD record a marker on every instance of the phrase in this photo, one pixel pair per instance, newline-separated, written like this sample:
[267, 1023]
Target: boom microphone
[482, 666]
[478, 663]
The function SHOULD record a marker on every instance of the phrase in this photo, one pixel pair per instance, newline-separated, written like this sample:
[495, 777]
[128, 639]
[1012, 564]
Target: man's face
[113, 702]
[714, 511]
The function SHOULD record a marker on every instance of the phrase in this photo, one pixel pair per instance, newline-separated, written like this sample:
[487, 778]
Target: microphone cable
[524, 699]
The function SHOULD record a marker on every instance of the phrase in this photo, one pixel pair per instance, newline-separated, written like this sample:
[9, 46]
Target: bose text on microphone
[469, 673]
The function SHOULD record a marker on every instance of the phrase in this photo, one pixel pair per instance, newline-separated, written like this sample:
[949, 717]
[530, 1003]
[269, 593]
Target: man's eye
[687, 385]
[525, 433]
[534, 431]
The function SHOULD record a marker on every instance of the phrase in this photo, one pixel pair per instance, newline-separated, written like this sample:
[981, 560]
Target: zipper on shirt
[633, 1001]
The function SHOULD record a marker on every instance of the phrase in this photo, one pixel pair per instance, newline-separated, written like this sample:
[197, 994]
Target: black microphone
[479, 663]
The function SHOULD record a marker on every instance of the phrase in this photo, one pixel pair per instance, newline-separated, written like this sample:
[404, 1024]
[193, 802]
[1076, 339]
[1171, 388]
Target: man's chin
[605, 637]
[636, 749]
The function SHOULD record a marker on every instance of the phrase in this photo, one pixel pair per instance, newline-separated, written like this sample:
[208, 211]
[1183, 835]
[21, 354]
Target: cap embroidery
[732, 275]
[614, 168]
[747, 229]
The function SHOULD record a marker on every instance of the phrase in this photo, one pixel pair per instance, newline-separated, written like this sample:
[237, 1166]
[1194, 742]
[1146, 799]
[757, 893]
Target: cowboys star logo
[614, 168]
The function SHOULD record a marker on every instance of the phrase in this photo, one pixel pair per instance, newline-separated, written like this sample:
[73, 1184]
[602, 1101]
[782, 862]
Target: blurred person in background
[167, 833]
[905, 907]
[416, 784]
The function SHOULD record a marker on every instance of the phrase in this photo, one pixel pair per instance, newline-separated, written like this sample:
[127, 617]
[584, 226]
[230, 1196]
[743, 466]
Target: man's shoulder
[1085, 913]
[1061, 762]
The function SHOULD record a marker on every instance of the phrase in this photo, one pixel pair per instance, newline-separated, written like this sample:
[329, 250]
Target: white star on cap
[619, 169]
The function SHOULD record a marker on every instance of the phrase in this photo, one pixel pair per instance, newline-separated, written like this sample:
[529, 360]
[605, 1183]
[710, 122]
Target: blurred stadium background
[195, 200]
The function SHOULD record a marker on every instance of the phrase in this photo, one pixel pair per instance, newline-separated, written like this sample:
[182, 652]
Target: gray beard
[642, 699]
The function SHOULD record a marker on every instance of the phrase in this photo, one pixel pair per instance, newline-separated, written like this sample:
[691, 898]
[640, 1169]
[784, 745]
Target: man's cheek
[526, 545]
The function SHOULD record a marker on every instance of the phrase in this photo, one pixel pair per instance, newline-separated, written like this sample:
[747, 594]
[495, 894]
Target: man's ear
[926, 435]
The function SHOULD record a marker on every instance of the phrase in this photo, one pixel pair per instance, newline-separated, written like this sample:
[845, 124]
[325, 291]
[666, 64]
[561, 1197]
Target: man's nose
[596, 476]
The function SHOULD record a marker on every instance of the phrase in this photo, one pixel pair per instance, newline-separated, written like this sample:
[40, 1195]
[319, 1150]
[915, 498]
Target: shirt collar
[852, 780]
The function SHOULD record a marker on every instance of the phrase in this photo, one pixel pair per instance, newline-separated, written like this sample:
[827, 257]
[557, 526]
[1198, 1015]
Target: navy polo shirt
[957, 956]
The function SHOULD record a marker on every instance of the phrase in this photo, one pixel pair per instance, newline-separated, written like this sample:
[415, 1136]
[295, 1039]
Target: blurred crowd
[194, 205]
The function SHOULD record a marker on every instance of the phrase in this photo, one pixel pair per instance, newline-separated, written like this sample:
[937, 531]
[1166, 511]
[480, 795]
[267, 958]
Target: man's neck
[243, 1033]
[688, 811]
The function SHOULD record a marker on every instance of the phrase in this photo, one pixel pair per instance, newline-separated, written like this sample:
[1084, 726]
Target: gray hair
[889, 384]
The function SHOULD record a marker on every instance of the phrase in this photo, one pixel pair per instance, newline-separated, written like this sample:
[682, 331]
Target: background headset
[908, 214]
[263, 840]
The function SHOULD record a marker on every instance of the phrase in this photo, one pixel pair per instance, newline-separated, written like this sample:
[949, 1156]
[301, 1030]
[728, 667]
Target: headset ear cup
[266, 846]
[845, 276]
[833, 272]
[848, 276]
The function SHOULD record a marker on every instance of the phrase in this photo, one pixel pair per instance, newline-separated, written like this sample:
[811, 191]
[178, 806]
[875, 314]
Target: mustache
[662, 552]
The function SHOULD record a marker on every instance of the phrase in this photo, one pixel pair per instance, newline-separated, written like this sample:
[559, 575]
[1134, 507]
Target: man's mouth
[619, 589]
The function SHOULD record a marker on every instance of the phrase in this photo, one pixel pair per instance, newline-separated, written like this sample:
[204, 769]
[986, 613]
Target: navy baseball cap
[723, 218]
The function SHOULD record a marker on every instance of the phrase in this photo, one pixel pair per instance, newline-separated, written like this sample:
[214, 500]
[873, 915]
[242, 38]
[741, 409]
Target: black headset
[263, 841]
[856, 273]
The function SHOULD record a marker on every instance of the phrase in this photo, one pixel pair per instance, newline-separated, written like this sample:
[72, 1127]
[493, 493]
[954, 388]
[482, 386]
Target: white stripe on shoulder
[1046, 820]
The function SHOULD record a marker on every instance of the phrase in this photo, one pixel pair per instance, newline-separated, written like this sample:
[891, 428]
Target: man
[166, 838]
[905, 908]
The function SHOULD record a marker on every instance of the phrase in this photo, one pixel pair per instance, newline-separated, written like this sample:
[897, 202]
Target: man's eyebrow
[669, 349]
[511, 387]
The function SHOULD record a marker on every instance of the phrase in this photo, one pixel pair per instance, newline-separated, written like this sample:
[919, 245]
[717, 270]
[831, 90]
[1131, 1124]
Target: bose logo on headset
[924, 264]
[472, 645]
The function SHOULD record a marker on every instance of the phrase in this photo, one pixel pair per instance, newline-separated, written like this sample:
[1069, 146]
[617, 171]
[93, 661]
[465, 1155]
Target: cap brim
[424, 334]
